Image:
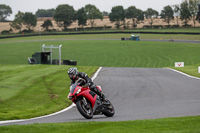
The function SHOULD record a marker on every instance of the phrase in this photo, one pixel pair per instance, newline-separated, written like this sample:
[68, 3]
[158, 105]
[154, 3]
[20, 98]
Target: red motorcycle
[88, 102]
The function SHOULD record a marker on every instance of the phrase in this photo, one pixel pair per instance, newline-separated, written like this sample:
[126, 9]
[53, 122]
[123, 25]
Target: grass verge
[164, 125]
[190, 70]
[28, 91]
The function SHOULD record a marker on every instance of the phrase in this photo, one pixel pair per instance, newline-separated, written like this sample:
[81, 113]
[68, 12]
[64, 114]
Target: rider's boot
[97, 91]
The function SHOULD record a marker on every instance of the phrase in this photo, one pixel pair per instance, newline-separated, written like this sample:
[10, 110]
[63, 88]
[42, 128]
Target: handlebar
[80, 81]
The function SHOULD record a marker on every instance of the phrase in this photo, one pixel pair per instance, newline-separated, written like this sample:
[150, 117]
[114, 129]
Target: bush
[88, 28]
[79, 29]
[5, 32]
[97, 28]
[157, 26]
[107, 27]
[27, 31]
[51, 30]
[187, 26]
[71, 29]
[175, 26]
[166, 26]
[163, 26]
[153, 26]
[147, 26]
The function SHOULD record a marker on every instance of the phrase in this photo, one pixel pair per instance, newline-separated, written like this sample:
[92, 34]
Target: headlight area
[78, 90]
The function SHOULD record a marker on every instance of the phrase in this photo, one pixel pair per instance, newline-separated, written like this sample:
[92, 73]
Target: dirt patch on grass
[52, 96]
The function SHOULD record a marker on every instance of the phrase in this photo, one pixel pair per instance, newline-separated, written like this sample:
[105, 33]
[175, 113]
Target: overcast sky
[102, 5]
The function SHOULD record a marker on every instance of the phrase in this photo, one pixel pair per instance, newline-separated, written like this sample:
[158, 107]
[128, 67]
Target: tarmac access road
[138, 93]
[181, 41]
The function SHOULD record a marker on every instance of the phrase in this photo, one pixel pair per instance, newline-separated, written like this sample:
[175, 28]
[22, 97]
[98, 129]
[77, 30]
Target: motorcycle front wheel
[85, 110]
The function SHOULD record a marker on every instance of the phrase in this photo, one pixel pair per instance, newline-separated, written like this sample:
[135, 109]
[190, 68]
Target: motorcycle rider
[74, 75]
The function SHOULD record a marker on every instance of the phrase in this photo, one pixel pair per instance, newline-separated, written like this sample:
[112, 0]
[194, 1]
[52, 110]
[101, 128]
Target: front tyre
[85, 110]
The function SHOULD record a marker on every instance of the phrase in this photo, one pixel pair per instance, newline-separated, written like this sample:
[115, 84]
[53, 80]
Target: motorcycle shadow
[95, 118]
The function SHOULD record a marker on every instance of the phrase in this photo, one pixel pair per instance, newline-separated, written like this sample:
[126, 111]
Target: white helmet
[72, 72]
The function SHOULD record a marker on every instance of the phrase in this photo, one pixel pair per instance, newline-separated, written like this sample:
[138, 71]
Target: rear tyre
[85, 111]
[109, 110]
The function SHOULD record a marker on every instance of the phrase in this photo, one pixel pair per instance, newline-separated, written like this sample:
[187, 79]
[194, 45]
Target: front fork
[84, 101]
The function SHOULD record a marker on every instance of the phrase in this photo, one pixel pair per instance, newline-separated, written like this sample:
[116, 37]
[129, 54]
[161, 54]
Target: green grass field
[111, 53]
[164, 125]
[28, 91]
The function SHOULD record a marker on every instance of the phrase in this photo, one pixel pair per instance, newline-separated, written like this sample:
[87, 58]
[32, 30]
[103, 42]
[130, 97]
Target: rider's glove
[88, 84]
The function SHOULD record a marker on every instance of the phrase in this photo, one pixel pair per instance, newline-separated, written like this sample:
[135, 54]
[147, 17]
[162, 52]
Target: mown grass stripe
[113, 53]
[35, 92]
[19, 80]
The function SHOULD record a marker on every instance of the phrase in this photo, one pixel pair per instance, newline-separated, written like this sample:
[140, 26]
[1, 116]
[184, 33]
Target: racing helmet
[72, 72]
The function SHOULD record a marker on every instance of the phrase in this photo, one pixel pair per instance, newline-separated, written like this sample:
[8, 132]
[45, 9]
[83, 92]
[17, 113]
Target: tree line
[65, 15]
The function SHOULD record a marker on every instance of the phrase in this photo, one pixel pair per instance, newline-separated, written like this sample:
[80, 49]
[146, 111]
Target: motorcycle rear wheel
[86, 112]
[109, 110]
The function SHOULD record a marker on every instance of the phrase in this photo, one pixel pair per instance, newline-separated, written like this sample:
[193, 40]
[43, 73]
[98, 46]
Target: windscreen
[72, 87]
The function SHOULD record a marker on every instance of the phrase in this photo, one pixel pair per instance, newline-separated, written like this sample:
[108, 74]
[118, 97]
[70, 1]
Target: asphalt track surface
[139, 93]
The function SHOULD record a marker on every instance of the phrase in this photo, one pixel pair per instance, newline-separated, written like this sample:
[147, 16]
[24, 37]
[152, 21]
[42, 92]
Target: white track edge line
[95, 75]
[71, 106]
[183, 73]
